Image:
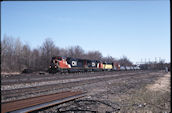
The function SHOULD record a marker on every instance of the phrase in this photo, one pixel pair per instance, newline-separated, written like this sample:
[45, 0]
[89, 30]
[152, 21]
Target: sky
[139, 30]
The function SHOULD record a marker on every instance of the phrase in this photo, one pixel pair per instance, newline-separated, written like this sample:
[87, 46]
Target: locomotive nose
[52, 66]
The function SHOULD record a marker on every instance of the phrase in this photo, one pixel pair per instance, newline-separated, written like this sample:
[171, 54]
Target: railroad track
[54, 80]
[59, 82]
[36, 103]
[15, 93]
[28, 78]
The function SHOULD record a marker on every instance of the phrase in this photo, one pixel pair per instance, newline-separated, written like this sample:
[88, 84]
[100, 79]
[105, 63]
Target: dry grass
[145, 101]
[154, 98]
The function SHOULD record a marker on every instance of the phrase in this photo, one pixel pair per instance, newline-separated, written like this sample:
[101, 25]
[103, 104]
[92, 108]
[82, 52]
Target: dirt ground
[162, 84]
[146, 94]
[152, 98]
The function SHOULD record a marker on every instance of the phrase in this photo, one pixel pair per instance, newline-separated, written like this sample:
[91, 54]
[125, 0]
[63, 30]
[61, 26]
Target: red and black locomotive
[68, 64]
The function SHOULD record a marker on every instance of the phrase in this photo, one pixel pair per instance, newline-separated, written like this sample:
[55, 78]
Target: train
[69, 65]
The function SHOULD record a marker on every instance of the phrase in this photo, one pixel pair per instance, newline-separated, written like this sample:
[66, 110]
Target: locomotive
[69, 64]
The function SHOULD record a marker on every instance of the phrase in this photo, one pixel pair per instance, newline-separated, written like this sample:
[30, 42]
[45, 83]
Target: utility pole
[155, 59]
[159, 59]
[149, 60]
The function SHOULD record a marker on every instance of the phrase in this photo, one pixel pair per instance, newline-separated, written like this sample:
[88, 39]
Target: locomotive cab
[58, 63]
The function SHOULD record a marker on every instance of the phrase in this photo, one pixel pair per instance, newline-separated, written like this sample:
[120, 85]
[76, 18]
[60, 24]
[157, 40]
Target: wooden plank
[19, 104]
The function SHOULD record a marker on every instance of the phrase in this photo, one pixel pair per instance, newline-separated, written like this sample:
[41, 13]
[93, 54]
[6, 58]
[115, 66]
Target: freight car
[116, 66]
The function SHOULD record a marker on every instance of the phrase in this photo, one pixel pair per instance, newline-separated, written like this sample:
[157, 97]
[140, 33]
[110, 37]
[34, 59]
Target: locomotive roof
[79, 59]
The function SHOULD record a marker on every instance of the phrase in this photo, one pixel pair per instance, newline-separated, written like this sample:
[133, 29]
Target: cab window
[59, 58]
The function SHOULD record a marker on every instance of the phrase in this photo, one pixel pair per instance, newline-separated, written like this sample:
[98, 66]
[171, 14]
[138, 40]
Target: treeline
[161, 65]
[16, 56]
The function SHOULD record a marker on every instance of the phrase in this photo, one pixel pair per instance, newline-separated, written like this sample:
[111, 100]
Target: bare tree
[125, 61]
[18, 55]
[55, 51]
[109, 59]
[93, 55]
[35, 59]
[11, 54]
[7, 53]
[26, 57]
[76, 52]
[63, 52]
[47, 50]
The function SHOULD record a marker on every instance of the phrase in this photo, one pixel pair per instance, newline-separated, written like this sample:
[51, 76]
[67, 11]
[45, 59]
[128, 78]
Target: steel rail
[36, 103]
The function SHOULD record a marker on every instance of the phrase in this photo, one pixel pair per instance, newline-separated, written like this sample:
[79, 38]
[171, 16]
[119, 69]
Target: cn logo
[93, 64]
[74, 63]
